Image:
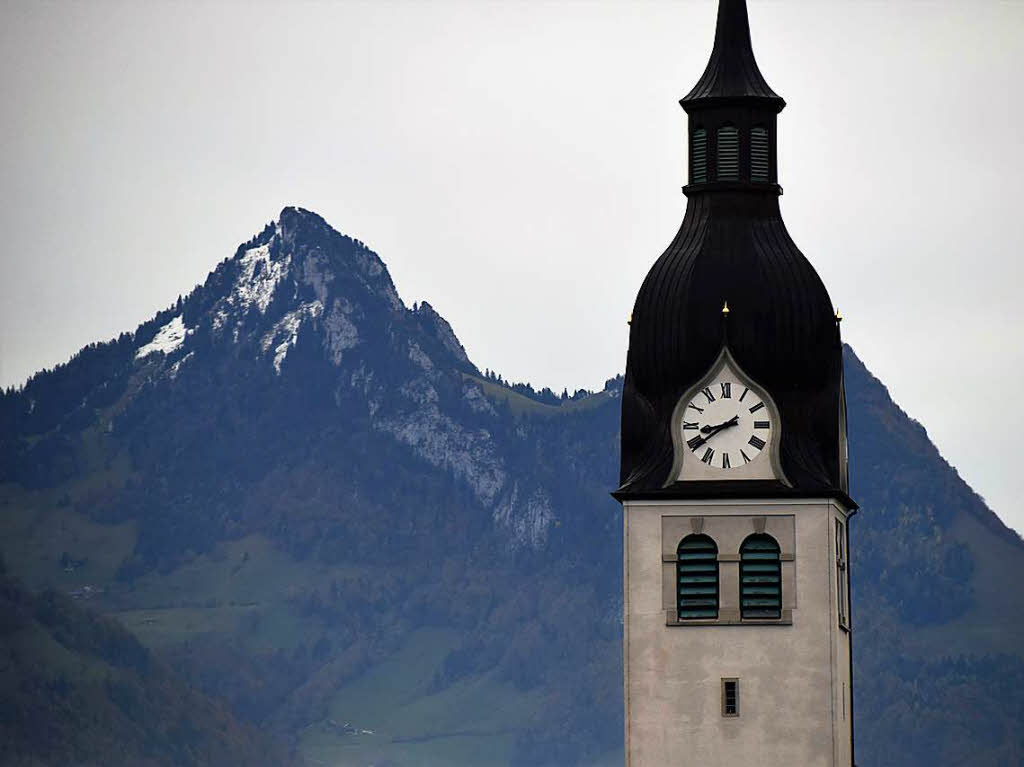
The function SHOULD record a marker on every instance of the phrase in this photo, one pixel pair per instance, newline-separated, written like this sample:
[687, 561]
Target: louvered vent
[728, 154]
[758, 154]
[699, 156]
[760, 578]
[697, 578]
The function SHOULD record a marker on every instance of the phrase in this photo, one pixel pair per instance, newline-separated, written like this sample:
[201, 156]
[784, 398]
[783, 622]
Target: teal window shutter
[759, 154]
[697, 578]
[728, 153]
[699, 156]
[760, 578]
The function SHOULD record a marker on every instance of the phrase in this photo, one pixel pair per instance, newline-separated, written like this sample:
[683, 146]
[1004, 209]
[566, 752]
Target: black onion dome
[781, 331]
[733, 247]
[732, 70]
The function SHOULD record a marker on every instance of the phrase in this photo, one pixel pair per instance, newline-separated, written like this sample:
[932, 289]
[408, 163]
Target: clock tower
[734, 462]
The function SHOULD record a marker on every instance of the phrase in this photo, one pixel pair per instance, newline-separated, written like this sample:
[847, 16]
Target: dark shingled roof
[732, 70]
[733, 246]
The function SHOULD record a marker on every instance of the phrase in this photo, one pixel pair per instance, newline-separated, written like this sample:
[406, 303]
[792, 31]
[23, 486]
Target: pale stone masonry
[793, 673]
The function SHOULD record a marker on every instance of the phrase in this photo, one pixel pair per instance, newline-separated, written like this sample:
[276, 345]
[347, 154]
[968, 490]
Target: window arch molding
[697, 578]
[760, 577]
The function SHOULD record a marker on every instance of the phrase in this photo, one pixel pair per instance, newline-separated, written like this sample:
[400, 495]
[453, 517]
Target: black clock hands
[711, 431]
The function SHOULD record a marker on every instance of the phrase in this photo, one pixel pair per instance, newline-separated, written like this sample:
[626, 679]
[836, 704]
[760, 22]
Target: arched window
[728, 153]
[697, 578]
[758, 154]
[760, 578]
[699, 156]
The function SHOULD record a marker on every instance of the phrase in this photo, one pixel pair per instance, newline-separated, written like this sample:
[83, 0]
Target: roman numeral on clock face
[746, 458]
[757, 407]
[694, 443]
[707, 393]
[726, 390]
[744, 394]
[698, 409]
[688, 425]
[708, 455]
[761, 424]
[725, 461]
[757, 442]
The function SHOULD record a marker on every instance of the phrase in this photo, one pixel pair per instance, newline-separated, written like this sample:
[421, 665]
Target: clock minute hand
[711, 430]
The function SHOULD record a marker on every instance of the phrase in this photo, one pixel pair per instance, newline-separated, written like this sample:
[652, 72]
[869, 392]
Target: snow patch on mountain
[167, 339]
[286, 331]
[528, 519]
[258, 278]
[173, 372]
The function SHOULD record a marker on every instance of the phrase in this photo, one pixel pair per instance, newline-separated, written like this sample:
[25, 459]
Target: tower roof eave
[775, 103]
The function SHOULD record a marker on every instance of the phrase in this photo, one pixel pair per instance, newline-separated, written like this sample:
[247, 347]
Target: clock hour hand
[709, 430]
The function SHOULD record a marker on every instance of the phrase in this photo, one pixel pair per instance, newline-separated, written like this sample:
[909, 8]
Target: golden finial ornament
[839, 315]
[725, 307]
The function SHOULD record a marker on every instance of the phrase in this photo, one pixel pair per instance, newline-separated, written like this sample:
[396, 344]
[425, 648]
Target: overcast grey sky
[518, 165]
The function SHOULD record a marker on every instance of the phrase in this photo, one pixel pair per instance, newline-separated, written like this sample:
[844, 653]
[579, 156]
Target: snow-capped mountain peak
[297, 276]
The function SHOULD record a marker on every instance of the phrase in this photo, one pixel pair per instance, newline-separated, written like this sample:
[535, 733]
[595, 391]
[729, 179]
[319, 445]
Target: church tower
[734, 462]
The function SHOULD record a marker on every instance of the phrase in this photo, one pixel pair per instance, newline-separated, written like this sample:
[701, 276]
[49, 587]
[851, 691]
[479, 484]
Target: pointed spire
[732, 71]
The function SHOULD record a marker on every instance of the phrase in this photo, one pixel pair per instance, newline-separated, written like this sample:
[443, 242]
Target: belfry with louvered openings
[734, 479]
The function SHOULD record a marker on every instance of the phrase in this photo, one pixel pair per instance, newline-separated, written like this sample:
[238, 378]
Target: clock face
[726, 425]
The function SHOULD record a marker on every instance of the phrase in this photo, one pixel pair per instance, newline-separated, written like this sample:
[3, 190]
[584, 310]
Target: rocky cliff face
[304, 495]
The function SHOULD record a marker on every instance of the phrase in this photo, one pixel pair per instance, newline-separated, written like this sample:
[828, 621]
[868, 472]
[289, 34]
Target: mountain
[303, 496]
[77, 688]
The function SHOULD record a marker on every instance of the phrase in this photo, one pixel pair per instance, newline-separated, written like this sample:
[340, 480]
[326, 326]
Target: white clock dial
[726, 425]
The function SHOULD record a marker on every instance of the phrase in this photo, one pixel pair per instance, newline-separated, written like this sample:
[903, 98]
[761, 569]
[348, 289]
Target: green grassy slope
[77, 688]
[391, 713]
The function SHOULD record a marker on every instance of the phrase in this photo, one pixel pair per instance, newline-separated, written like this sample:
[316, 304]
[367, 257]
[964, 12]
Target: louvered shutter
[728, 154]
[758, 154]
[760, 578]
[697, 578]
[699, 156]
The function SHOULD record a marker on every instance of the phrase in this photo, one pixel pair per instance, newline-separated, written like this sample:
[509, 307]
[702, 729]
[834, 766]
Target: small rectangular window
[730, 697]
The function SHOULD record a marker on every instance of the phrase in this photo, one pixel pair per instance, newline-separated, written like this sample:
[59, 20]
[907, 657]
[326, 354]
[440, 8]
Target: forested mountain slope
[77, 688]
[304, 496]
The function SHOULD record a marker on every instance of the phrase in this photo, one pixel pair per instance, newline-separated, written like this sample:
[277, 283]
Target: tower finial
[732, 70]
